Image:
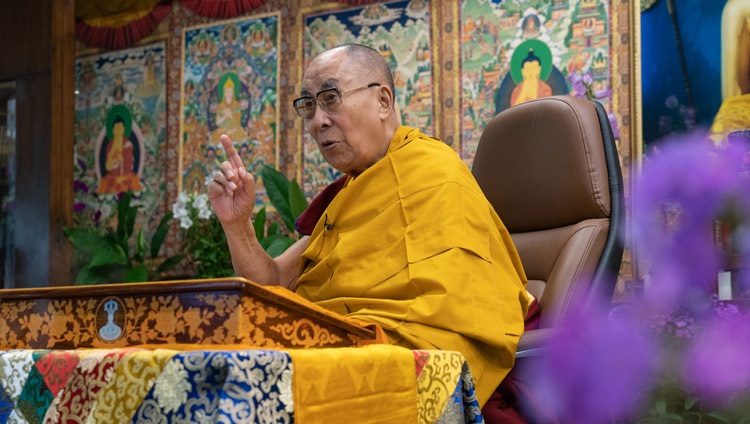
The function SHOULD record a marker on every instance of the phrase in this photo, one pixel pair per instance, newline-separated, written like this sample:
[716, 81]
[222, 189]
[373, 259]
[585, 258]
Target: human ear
[386, 99]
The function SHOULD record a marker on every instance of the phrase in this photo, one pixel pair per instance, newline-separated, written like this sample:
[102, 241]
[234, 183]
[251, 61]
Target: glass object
[329, 100]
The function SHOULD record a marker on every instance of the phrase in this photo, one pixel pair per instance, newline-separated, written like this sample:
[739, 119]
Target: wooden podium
[229, 311]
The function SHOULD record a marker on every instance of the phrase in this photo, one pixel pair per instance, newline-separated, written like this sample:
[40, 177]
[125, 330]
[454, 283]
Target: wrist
[239, 228]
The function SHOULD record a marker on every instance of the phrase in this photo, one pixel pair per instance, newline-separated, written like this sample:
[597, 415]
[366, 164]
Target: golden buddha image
[531, 86]
[118, 154]
[228, 118]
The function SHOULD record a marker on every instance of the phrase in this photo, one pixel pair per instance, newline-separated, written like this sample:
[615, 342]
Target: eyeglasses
[329, 100]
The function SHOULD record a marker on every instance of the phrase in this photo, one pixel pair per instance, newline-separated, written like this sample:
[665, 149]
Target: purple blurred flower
[81, 163]
[599, 367]
[665, 125]
[671, 102]
[78, 206]
[678, 349]
[680, 118]
[717, 364]
[604, 92]
[723, 310]
[580, 84]
[613, 124]
[587, 79]
[80, 186]
[680, 326]
[683, 189]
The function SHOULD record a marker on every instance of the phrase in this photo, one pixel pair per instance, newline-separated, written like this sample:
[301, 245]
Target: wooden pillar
[62, 140]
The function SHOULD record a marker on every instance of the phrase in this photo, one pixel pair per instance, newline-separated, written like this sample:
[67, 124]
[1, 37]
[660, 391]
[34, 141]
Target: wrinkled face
[351, 139]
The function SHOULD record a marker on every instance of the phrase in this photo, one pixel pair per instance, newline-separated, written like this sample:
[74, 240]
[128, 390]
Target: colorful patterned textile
[115, 25]
[369, 384]
[221, 9]
[445, 388]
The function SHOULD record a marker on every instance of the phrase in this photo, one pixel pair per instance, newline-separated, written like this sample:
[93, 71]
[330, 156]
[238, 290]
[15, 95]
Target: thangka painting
[120, 131]
[515, 51]
[400, 30]
[229, 86]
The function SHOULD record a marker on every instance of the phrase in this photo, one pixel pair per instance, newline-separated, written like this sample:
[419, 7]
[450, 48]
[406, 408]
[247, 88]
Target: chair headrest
[542, 165]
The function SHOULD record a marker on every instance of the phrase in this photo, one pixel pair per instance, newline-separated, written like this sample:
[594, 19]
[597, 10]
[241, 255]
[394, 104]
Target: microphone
[328, 226]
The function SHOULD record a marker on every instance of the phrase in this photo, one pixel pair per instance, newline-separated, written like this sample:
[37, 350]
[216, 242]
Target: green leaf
[661, 407]
[85, 240]
[137, 274]
[718, 416]
[109, 273]
[111, 254]
[140, 246]
[130, 221]
[259, 224]
[267, 240]
[278, 246]
[170, 263]
[161, 233]
[85, 277]
[123, 206]
[274, 230]
[297, 201]
[690, 402]
[277, 188]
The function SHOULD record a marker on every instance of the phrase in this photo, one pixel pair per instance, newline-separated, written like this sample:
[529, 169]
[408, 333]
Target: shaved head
[370, 59]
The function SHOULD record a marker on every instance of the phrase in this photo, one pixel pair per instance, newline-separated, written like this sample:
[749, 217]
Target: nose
[320, 121]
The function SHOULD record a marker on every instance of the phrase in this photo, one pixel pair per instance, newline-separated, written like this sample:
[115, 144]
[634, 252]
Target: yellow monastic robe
[412, 245]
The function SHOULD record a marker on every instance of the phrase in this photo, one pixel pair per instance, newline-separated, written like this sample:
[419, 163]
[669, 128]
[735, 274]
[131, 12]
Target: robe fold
[413, 245]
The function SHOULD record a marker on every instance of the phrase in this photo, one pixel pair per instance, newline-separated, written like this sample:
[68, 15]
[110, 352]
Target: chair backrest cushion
[542, 166]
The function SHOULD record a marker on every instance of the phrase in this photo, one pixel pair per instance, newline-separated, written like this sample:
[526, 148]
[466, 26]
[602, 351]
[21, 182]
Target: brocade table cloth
[377, 384]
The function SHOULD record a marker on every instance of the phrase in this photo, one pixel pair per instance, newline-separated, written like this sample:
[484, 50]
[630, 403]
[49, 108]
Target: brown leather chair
[551, 170]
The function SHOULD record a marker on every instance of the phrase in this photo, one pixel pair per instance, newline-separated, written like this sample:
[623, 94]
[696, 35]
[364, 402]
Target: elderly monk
[408, 240]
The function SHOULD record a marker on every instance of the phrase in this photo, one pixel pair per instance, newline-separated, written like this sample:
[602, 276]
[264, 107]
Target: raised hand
[232, 191]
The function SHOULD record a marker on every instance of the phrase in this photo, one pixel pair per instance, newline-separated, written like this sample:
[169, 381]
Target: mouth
[327, 144]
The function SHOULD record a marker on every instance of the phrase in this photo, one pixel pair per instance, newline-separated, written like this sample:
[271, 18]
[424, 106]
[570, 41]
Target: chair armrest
[534, 342]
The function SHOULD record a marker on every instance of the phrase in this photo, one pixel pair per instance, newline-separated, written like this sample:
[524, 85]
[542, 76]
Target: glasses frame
[318, 103]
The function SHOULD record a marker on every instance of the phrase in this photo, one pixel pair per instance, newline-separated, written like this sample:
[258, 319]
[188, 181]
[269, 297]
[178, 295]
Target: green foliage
[286, 196]
[289, 201]
[104, 255]
[203, 237]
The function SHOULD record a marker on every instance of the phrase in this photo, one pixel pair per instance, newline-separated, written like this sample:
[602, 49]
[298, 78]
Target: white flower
[179, 209]
[106, 210]
[201, 204]
[186, 222]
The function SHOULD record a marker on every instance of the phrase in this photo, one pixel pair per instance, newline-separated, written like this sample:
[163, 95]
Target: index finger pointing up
[232, 156]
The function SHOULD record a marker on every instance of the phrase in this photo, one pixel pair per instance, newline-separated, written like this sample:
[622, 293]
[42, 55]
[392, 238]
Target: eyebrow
[325, 85]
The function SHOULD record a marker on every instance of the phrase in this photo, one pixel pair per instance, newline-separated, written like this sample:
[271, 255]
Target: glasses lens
[305, 107]
[330, 100]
